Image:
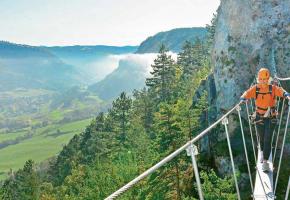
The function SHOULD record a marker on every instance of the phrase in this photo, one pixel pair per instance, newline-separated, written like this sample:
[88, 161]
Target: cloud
[141, 61]
[100, 68]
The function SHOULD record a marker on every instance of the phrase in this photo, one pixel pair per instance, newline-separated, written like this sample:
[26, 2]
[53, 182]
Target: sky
[95, 22]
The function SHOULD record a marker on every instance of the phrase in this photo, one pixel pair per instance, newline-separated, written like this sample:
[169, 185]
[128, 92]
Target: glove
[242, 99]
[287, 95]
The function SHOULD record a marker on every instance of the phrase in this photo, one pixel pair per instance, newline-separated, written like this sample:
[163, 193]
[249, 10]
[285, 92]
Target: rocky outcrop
[250, 34]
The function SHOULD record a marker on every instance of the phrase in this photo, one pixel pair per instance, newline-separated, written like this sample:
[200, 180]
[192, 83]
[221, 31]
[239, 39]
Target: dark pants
[265, 129]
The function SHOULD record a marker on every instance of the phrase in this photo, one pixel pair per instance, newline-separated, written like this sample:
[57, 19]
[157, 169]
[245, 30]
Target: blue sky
[91, 22]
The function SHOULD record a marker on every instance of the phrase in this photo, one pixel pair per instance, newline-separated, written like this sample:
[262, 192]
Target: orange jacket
[263, 101]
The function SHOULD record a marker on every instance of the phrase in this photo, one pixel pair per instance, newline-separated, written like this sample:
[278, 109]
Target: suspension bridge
[265, 185]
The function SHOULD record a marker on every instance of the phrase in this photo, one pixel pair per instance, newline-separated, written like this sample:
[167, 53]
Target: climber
[265, 114]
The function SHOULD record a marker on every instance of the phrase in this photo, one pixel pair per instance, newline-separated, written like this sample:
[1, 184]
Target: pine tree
[100, 122]
[24, 185]
[186, 59]
[192, 57]
[162, 75]
[214, 187]
[62, 166]
[121, 108]
[211, 30]
[169, 138]
[109, 122]
[143, 106]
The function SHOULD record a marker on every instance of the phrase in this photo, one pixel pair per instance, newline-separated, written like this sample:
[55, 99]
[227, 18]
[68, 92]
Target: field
[44, 143]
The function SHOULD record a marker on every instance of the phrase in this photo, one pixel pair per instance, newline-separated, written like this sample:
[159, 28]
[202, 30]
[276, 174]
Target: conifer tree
[186, 59]
[121, 108]
[109, 122]
[211, 30]
[24, 185]
[191, 58]
[162, 75]
[143, 107]
[214, 187]
[100, 122]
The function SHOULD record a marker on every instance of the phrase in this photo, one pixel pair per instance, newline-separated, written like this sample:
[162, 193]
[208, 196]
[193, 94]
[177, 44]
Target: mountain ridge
[173, 39]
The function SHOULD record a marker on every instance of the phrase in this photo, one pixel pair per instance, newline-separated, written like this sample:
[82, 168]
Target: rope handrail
[251, 132]
[255, 126]
[278, 131]
[225, 122]
[245, 147]
[169, 157]
[282, 147]
[282, 79]
[286, 126]
[288, 188]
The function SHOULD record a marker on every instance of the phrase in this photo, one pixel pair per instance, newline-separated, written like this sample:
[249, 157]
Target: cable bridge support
[264, 187]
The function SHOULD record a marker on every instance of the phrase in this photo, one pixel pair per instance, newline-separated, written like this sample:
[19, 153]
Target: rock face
[250, 34]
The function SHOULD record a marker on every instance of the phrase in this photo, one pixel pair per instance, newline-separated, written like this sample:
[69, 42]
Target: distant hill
[87, 51]
[173, 39]
[23, 66]
[94, 62]
[132, 71]
[129, 75]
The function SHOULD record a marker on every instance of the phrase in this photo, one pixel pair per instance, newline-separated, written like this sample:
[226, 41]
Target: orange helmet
[263, 75]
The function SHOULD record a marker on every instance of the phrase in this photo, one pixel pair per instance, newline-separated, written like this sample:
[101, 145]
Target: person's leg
[267, 139]
[269, 128]
[260, 128]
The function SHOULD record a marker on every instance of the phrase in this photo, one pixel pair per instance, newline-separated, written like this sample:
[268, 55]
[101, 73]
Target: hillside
[172, 39]
[134, 69]
[29, 67]
[135, 133]
[182, 97]
[93, 62]
[129, 75]
[69, 53]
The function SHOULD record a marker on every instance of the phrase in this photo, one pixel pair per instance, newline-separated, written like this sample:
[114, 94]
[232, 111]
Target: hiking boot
[265, 167]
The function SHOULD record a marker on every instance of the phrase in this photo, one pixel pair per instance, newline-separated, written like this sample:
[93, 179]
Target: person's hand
[287, 95]
[243, 100]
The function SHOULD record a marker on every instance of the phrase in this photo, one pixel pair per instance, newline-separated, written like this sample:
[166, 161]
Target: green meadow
[45, 142]
[12, 135]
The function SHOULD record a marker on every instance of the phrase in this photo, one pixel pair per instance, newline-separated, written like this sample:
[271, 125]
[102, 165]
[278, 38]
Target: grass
[56, 115]
[11, 136]
[75, 125]
[25, 92]
[40, 147]
[46, 141]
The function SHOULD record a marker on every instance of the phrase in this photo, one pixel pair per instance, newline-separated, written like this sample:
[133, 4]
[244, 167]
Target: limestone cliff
[249, 34]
